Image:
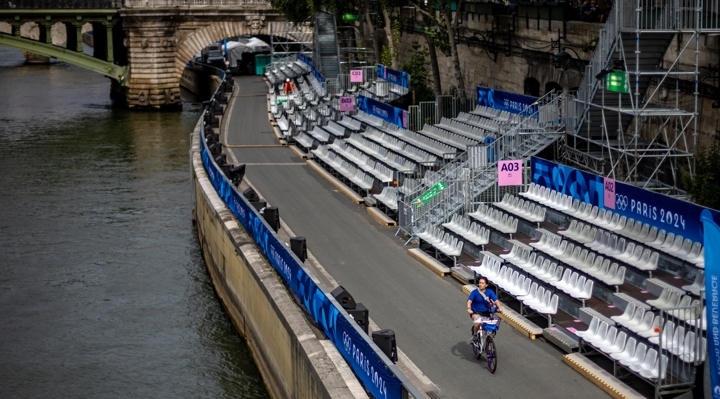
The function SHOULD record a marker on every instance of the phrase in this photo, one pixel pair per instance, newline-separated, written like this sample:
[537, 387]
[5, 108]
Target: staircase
[608, 139]
[471, 176]
[326, 52]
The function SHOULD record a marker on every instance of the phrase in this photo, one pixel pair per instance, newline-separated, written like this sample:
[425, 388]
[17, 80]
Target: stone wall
[295, 362]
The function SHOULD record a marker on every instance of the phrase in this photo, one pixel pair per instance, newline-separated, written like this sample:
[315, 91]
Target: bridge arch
[254, 25]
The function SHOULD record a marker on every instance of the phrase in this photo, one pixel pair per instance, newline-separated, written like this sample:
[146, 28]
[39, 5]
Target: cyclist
[481, 303]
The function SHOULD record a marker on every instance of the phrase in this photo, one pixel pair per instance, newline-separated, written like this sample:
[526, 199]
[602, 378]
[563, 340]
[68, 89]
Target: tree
[416, 67]
[704, 188]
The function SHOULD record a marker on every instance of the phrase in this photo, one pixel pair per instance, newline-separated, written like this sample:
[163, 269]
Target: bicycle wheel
[476, 349]
[491, 355]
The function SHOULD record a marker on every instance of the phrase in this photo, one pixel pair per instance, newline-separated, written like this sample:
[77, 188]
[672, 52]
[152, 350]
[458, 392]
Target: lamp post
[562, 57]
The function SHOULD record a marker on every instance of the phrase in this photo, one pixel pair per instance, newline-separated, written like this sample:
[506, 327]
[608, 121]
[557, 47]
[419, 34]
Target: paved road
[427, 312]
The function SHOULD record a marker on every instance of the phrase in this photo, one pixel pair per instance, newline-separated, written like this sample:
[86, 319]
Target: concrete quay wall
[294, 360]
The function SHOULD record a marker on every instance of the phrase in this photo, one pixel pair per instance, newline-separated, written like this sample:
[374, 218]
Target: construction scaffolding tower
[287, 39]
[630, 128]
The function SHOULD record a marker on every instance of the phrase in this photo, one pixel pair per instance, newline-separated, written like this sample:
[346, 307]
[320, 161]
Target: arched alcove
[531, 87]
[550, 86]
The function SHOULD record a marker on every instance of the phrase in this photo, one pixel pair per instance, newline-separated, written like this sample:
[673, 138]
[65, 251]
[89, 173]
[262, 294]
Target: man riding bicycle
[481, 303]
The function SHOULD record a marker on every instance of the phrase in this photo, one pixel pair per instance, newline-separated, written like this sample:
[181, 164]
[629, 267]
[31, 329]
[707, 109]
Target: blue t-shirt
[479, 304]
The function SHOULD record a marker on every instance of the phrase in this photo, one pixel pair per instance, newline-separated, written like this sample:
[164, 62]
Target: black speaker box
[344, 298]
[251, 195]
[299, 247]
[272, 216]
[361, 314]
[259, 204]
[385, 340]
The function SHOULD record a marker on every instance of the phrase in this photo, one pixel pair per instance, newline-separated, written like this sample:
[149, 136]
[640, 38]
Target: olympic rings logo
[621, 202]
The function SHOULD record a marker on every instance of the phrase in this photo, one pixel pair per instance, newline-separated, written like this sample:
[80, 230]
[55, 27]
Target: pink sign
[609, 190]
[510, 173]
[356, 76]
[346, 103]
[405, 119]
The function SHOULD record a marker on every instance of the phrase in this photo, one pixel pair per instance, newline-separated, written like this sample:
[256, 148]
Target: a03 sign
[510, 173]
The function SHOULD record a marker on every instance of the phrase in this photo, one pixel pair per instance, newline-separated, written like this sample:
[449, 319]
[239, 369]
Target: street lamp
[562, 57]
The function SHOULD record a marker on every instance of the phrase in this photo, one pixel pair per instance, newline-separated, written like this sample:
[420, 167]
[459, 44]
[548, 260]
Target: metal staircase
[639, 137]
[326, 52]
[472, 176]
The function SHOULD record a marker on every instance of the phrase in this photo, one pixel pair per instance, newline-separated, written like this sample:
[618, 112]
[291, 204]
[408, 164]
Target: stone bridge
[153, 39]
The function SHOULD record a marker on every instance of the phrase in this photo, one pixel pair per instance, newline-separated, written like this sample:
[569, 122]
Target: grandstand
[614, 289]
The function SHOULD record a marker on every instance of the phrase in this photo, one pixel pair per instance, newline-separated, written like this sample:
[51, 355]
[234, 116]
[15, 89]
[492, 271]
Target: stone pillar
[151, 45]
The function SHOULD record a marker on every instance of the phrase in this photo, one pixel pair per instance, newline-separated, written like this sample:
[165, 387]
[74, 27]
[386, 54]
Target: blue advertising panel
[386, 112]
[307, 60]
[674, 215]
[506, 101]
[712, 298]
[393, 76]
[350, 341]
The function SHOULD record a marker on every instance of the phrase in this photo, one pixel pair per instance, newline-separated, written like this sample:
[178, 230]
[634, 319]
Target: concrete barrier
[294, 360]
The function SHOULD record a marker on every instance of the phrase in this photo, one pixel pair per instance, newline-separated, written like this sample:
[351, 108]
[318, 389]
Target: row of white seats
[677, 246]
[350, 123]
[388, 197]
[617, 247]
[396, 161]
[580, 232]
[640, 320]
[569, 281]
[496, 114]
[445, 136]
[383, 173]
[525, 209]
[348, 170]
[462, 128]
[469, 230]
[400, 146]
[672, 298]
[588, 262]
[627, 351]
[426, 143]
[685, 343]
[527, 291]
[442, 241]
[583, 258]
[495, 219]
[491, 125]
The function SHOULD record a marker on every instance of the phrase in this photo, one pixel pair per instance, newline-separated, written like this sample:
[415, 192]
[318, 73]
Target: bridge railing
[55, 4]
[176, 3]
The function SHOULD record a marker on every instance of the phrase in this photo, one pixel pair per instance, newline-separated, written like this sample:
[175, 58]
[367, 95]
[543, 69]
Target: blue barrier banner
[712, 298]
[393, 76]
[386, 112]
[506, 101]
[377, 378]
[674, 215]
[307, 60]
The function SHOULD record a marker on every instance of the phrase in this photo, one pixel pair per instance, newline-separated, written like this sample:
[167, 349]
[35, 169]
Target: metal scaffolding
[645, 131]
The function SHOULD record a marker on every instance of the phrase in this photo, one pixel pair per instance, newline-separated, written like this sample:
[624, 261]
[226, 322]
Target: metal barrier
[681, 349]
[472, 175]
[672, 15]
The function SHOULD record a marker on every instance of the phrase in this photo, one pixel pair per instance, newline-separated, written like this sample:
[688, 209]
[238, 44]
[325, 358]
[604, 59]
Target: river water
[103, 291]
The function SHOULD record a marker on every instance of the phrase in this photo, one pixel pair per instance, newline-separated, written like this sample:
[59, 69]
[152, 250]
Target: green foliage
[385, 56]
[438, 35]
[420, 81]
[704, 189]
[302, 10]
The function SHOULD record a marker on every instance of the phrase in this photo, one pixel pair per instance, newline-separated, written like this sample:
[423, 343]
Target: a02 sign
[510, 173]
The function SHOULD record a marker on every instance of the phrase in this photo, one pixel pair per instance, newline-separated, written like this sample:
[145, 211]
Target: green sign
[347, 17]
[281, 99]
[616, 82]
[430, 194]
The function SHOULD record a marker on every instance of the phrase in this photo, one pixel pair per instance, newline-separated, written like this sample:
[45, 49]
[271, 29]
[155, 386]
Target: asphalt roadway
[426, 311]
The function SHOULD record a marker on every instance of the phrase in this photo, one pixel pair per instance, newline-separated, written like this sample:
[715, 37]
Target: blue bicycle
[484, 342]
